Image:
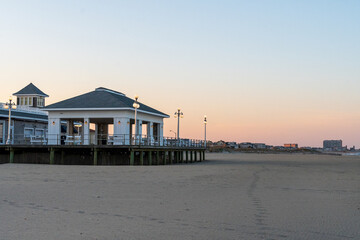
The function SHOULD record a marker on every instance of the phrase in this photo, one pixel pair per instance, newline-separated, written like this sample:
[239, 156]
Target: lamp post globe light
[136, 105]
[205, 122]
[178, 115]
[10, 105]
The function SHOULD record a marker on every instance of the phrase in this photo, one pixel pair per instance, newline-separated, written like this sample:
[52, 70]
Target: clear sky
[262, 71]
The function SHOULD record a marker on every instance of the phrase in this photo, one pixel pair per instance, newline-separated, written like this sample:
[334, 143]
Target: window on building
[39, 132]
[26, 101]
[40, 102]
[28, 132]
[30, 101]
[35, 102]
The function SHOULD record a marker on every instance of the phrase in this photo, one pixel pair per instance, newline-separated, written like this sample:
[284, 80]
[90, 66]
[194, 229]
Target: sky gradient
[262, 71]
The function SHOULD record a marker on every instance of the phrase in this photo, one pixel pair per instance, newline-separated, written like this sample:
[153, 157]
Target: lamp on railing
[78, 126]
[205, 122]
[10, 105]
[178, 115]
[173, 133]
[136, 105]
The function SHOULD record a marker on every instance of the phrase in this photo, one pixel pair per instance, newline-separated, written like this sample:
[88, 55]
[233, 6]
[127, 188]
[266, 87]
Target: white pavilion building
[101, 117]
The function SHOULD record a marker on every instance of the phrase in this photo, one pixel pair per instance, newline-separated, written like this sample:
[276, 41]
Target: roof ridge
[109, 90]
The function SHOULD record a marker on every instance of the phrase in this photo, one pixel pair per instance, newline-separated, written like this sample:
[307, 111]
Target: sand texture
[230, 196]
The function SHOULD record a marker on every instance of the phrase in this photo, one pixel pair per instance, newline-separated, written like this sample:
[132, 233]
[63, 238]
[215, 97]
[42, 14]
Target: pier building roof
[17, 114]
[102, 99]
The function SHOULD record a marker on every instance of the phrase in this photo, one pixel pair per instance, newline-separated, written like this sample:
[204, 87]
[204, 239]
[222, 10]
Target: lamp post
[205, 122]
[178, 115]
[10, 105]
[173, 132]
[136, 105]
[78, 126]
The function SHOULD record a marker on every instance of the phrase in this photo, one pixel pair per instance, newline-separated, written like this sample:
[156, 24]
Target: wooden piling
[95, 156]
[132, 158]
[150, 158]
[164, 157]
[52, 155]
[12, 153]
[62, 161]
[157, 157]
[170, 157]
[141, 158]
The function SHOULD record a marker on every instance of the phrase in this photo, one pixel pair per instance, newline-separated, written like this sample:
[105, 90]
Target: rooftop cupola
[31, 96]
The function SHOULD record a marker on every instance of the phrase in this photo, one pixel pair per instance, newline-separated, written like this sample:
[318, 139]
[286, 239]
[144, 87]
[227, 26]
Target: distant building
[259, 146]
[246, 145]
[332, 145]
[279, 148]
[220, 143]
[232, 145]
[291, 145]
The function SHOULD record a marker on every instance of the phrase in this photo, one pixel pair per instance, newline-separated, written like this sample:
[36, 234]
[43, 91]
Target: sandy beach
[229, 196]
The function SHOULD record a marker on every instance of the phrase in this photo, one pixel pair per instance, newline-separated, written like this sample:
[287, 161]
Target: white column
[161, 131]
[68, 127]
[139, 136]
[150, 132]
[140, 127]
[121, 131]
[96, 134]
[86, 127]
[150, 129]
[54, 131]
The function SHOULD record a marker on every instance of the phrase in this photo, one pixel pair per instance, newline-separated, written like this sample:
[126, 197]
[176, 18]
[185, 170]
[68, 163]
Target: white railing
[105, 140]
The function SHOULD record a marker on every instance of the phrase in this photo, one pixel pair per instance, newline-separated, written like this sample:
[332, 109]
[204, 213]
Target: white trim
[33, 94]
[103, 109]
[108, 90]
[25, 118]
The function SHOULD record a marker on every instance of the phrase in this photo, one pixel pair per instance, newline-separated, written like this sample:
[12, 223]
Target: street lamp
[178, 115]
[136, 105]
[205, 122]
[173, 132]
[10, 105]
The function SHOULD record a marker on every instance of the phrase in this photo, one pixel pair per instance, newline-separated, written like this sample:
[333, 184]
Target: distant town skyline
[273, 72]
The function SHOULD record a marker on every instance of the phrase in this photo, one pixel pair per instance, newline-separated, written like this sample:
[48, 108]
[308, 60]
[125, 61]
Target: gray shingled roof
[101, 98]
[23, 115]
[31, 89]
